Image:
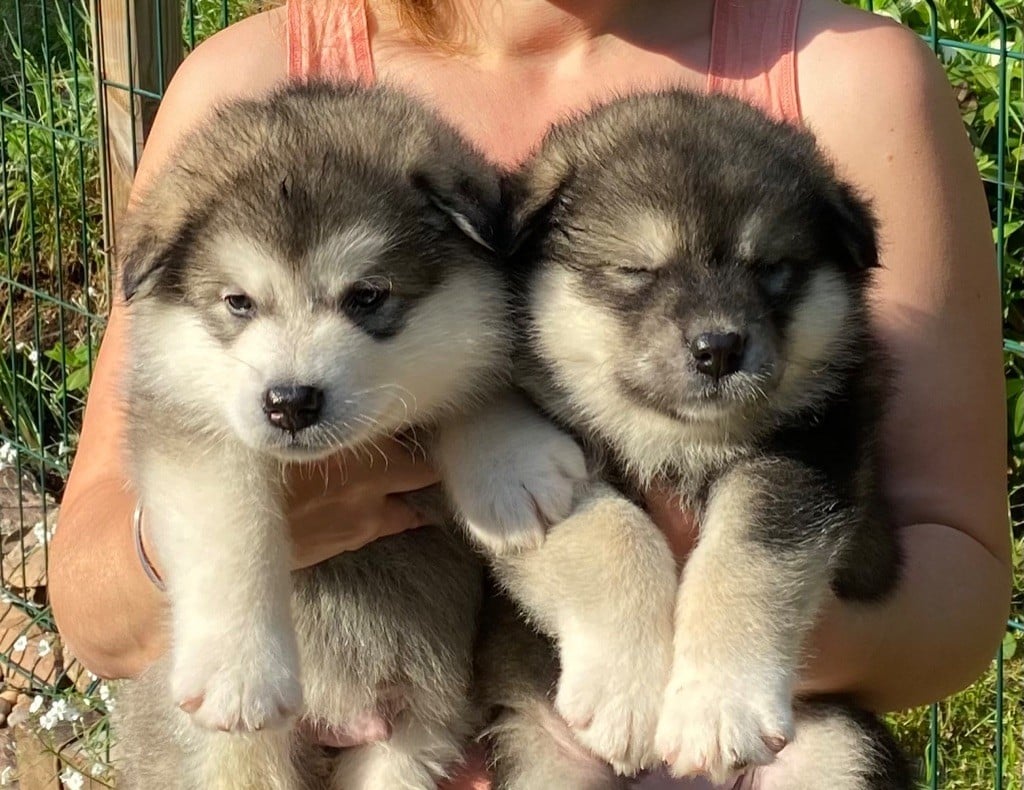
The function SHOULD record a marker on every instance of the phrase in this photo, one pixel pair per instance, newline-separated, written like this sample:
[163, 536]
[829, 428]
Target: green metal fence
[79, 86]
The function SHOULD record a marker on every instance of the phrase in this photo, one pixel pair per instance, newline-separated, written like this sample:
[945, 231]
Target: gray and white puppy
[694, 281]
[313, 271]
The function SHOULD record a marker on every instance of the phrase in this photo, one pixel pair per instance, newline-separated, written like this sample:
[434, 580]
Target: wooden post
[137, 45]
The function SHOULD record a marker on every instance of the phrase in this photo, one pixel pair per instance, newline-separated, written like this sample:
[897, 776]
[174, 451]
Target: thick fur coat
[312, 271]
[693, 283]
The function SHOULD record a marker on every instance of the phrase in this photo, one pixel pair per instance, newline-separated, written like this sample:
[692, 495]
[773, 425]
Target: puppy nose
[293, 408]
[717, 354]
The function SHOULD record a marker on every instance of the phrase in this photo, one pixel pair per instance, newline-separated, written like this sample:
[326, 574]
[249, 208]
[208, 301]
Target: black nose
[717, 353]
[293, 408]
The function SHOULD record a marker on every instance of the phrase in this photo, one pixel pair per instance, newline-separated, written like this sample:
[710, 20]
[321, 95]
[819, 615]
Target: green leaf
[1009, 646]
[79, 380]
[1018, 418]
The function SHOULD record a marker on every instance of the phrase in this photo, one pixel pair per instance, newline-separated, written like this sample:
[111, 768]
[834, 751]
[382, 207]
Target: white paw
[251, 689]
[511, 488]
[610, 694]
[715, 722]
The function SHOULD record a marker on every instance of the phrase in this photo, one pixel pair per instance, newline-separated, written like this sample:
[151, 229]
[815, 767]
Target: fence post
[137, 45]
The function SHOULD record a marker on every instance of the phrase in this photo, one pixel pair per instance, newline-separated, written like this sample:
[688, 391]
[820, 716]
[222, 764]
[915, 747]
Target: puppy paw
[238, 693]
[718, 723]
[519, 484]
[610, 694]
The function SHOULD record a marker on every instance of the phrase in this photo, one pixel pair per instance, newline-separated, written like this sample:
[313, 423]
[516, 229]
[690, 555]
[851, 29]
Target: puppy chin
[298, 453]
[309, 444]
[716, 403]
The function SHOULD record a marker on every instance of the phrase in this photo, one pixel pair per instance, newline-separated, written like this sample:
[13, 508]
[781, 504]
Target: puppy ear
[471, 201]
[141, 261]
[533, 193]
[147, 252]
[857, 228]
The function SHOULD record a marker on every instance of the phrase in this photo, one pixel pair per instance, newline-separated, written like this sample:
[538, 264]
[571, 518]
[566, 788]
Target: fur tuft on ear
[141, 258]
[533, 194]
[148, 250]
[471, 201]
[857, 228]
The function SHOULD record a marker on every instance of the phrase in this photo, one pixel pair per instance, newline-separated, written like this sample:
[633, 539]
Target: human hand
[352, 499]
[679, 525]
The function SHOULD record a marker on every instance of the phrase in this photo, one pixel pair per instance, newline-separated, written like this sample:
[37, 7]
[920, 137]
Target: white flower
[37, 703]
[98, 769]
[22, 348]
[72, 779]
[20, 644]
[91, 676]
[42, 534]
[44, 648]
[93, 293]
[8, 455]
[61, 710]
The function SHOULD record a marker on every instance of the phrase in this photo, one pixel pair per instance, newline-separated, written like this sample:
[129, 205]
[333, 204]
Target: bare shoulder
[862, 75]
[245, 59]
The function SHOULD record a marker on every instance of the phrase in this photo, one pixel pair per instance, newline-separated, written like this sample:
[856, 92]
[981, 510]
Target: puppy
[313, 271]
[693, 280]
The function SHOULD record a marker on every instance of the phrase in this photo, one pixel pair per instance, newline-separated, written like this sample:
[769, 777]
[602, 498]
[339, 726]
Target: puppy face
[692, 268]
[318, 299]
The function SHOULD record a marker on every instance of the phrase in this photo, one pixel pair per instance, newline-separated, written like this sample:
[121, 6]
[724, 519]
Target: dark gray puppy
[311, 272]
[694, 281]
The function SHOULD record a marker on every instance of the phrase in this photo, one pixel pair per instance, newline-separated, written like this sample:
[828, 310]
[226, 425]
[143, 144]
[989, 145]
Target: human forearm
[933, 637]
[107, 609]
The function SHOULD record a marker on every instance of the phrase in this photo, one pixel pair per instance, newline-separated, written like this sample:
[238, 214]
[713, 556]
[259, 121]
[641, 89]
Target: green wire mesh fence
[79, 83]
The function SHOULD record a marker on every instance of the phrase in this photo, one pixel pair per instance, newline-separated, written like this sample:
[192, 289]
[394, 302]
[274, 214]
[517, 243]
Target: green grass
[966, 724]
[51, 231]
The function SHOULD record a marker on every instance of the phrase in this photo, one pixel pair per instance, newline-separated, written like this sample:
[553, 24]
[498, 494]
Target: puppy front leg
[509, 472]
[217, 527]
[603, 586]
[748, 598]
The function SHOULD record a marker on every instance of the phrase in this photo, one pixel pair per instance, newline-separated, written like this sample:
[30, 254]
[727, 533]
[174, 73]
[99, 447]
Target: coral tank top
[752, 48]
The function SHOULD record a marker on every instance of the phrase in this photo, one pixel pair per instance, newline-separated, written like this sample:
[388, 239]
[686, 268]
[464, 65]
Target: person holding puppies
[503, 72]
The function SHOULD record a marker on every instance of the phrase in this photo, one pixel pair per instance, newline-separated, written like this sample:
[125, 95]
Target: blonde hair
[431, 21]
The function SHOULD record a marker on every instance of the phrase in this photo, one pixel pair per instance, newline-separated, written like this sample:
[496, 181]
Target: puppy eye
[637, 272]
[239, 305]
[365, 297]
[777, 276]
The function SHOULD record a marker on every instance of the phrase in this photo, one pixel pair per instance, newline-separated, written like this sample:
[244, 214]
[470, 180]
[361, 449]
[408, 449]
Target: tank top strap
[329, 39]
[753, 54]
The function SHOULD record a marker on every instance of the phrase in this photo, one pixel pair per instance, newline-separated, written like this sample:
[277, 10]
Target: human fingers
[472, 774]
[678, 524]
[377, 472]
[397, 516]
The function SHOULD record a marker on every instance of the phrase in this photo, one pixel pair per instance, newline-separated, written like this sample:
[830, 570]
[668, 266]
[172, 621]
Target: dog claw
[582, 723]
[775, 742]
